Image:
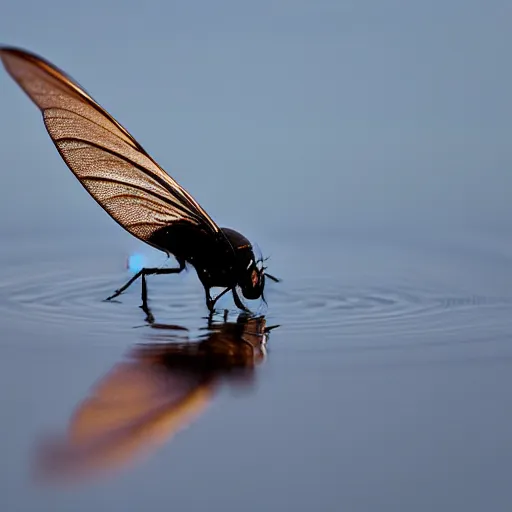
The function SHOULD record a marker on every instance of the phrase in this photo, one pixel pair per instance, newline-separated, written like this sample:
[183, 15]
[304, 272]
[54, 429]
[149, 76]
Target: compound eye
[255, 278]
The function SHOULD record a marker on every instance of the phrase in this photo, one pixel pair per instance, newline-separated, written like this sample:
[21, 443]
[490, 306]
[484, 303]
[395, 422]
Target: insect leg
[147, 272]
[220, 295]
[210, 303]
[209, 300]
[238, 302]
[123, 288]
[149, 315]
[144, 292]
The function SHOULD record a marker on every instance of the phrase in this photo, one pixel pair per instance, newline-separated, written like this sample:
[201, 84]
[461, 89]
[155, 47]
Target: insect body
[136, 192]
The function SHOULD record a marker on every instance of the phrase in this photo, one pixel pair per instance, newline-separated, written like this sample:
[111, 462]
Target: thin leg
[149, 315]
[146, 272]
[210, 319]
[210, 303]
[209, 300]
[238, 302]
[123, 288]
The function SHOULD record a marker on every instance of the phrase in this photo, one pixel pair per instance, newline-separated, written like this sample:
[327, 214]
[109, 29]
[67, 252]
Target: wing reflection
[143, 401]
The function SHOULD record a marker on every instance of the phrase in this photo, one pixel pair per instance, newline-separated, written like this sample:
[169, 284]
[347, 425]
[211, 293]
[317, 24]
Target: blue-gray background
[363, 143]
[307, 113]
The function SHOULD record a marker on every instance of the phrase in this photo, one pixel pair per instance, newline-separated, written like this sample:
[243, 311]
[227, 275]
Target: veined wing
[107, 160]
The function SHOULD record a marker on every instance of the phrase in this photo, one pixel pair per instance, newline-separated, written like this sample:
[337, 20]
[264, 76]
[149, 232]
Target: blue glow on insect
[135, 263]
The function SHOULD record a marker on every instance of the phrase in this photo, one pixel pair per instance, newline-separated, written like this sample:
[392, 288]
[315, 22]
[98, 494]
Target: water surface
[386, 385]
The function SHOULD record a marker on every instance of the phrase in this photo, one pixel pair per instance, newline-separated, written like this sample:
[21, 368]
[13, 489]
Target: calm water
[386, 386]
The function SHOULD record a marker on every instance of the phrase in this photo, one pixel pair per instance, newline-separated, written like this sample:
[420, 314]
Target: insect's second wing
[107, 160]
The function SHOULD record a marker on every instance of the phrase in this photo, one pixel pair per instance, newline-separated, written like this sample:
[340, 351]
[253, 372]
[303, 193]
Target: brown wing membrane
[107, 160]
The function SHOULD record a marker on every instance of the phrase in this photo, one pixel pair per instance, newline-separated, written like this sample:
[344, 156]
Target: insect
[132, 188]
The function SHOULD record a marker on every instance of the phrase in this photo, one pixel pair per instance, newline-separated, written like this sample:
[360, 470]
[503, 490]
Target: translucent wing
[107, 160]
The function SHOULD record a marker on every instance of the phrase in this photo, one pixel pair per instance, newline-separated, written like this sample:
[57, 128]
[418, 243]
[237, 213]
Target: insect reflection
[145, 400]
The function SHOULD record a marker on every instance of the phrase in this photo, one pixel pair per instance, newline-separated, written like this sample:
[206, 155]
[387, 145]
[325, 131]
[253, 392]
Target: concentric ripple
[331, 308]
[49, 294]
[326, 307]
